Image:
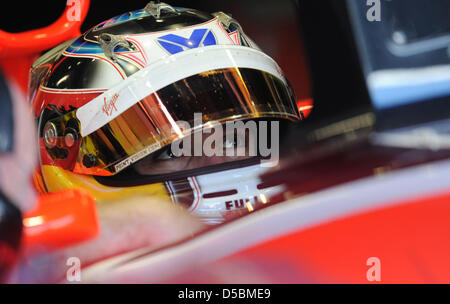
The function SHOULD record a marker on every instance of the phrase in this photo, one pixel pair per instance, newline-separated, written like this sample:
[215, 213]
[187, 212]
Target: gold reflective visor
[220, 95]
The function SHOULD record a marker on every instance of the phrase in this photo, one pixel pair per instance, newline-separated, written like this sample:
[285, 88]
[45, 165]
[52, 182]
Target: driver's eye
[166, 155]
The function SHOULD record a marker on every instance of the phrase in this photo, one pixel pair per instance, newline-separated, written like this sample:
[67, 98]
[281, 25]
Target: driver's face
[243, 143]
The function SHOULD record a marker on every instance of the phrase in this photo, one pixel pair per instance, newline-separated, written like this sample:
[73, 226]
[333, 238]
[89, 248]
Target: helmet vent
[110, 43]
[156, 8]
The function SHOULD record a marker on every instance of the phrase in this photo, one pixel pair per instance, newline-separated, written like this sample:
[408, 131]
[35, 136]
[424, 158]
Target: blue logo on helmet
[175, 44]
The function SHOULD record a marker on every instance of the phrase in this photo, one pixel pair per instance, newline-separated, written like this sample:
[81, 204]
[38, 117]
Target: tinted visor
[220, 95]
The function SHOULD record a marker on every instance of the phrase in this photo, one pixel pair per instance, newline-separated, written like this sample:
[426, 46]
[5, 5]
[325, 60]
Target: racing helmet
[113, 98]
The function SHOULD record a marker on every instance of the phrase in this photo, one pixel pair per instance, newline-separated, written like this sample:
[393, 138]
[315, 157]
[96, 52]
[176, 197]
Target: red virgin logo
[110, 107]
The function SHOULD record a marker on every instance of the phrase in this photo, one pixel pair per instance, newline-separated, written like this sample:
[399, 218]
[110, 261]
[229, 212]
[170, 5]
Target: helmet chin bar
[130, 178]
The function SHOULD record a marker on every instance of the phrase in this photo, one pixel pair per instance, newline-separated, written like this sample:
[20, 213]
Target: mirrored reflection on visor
[154, 122]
